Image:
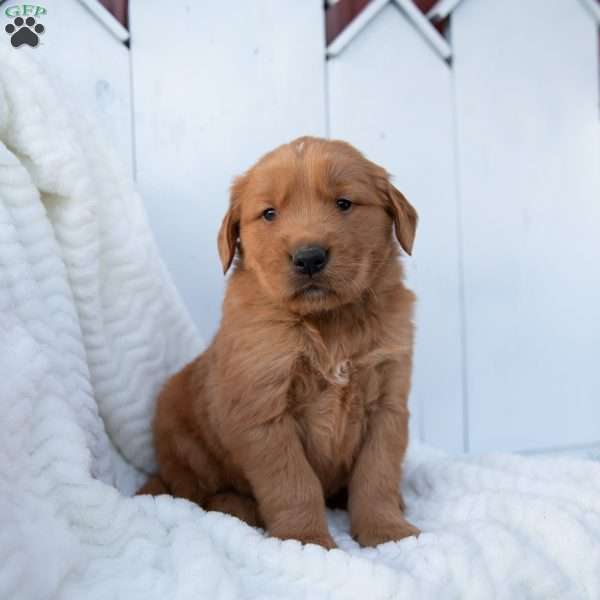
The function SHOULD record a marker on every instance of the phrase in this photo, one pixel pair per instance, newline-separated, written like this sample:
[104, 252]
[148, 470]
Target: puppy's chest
[331, 408]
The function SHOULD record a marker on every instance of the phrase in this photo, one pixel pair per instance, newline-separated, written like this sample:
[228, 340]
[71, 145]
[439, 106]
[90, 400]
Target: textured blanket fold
[91, 326]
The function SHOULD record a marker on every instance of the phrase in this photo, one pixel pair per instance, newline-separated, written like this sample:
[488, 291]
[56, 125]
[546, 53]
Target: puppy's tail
[155, 486]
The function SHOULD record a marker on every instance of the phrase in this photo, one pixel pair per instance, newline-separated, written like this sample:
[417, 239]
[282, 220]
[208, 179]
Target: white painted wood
[412, 13]
[442, 9]
[390, 95]
[216, 85]
[593, 8]
[527, 97]
[356, 26]
[105, 18]
[90, 67]
[430, 33]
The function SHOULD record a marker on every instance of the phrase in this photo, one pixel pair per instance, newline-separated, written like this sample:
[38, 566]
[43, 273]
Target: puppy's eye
[269, 214]
[343, 204]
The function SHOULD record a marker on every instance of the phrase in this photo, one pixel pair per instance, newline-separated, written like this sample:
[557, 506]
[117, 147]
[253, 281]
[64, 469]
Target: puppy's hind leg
[182, 483]
[155, 486]
[242, 507]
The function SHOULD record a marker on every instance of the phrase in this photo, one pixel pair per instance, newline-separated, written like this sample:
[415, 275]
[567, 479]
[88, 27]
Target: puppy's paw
[326, 541]
[375, 533]
[320, 539]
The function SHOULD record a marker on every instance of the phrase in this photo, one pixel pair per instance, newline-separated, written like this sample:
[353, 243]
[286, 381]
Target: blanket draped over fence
[90, 327]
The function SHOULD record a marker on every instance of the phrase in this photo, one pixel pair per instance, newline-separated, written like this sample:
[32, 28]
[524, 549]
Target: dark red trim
[118, 8]
[425, 5]
[340, 15]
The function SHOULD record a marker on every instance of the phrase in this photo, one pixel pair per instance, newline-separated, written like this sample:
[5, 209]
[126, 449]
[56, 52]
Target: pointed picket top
[435, 39]
[409, 10]
[106, 19]
[356, 26]
[442, 10]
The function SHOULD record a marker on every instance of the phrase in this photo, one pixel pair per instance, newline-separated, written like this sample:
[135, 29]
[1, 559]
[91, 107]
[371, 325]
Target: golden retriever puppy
[302, 394]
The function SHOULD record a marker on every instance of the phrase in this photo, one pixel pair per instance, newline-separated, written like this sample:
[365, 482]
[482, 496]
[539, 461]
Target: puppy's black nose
[309, 260]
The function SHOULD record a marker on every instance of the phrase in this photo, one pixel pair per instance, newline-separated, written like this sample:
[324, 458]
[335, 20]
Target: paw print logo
[24, 32]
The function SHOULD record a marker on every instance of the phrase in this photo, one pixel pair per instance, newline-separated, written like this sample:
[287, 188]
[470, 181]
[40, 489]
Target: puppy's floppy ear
[230, 227]
[400, 209]
[405, 217]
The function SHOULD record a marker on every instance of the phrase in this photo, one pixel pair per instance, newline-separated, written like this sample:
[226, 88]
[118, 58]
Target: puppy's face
[314, 220]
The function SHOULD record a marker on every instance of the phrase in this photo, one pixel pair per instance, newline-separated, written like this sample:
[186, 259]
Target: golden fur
[302, 394]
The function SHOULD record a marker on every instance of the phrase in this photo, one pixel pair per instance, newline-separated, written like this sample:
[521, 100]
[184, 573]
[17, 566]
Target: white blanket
[90, 326]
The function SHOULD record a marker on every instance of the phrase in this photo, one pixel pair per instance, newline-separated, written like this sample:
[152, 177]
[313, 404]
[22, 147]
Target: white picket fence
[497, 146]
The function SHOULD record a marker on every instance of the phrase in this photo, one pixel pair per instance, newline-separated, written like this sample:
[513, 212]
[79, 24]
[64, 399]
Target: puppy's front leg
[375, 503]
[289, 494]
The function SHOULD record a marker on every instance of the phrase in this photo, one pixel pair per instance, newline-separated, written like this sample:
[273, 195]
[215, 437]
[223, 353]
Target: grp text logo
[25, 28]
